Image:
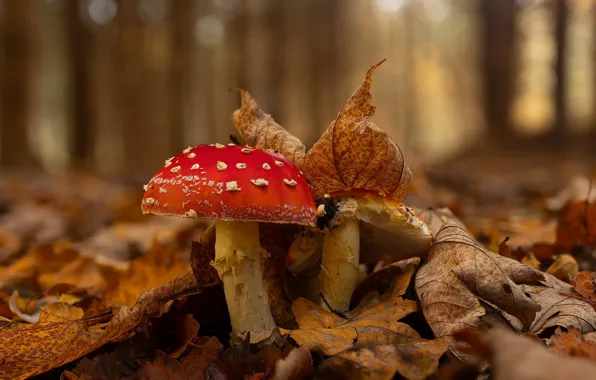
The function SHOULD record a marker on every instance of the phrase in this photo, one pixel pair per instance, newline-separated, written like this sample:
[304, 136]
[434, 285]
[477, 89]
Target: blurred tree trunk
[182, 19]
[561, 21]
[498, 59]
[79, 41]
[139, 87]
[324, 63]
[18, 39]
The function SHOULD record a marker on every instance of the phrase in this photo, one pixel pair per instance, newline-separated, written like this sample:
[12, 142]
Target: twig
[336, 312]
[189, 291]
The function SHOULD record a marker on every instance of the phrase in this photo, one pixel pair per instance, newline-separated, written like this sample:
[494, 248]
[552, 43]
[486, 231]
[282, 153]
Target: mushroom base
[339, 267]
[238, 261]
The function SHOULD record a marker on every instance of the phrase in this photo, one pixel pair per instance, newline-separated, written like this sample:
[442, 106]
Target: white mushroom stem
[238, 261]
[339, 267]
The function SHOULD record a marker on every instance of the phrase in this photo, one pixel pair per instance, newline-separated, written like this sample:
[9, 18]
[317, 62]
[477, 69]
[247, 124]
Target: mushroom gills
[238, 254]
[389, 231]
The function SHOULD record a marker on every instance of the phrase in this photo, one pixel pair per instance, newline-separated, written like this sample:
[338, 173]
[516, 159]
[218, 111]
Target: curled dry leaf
[323, 331]
[563, 267]
[515, 357]
[394, 277]
[259, 130]
[353, 153]
[58, 338]
[459, 271]
[572, 343]
[416, 360]
[530, 260]
[559, 309]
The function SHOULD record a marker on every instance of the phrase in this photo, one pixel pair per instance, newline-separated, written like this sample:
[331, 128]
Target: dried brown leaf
[204, 353]
[353, 153]
[585, 284]
[395, 275]
[559, 309]
[30, 349]
[320, 330]
[563, 267]
[259, 130]
[459, 271]
[572, 343]
[163, 367]
[416, 360]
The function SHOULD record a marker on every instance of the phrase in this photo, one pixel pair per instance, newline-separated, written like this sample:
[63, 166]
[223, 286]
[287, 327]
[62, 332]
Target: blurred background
[117, 86]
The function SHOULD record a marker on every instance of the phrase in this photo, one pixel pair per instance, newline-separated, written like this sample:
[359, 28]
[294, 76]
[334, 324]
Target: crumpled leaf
[325, 332]
[395, 275]
[30, 349]
[558, 309]
[416, 360]
[515, 357]
[353, 153]
[459, 271]
[572, 343]
[259, 130]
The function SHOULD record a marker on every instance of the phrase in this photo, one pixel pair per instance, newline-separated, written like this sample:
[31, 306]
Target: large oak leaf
[459, 271]
[353, 153]
[330, 334]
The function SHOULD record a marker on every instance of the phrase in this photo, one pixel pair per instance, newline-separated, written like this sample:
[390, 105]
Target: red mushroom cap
[231, 183]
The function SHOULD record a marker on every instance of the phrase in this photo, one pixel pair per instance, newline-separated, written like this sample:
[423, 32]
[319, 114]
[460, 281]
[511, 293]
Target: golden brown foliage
[259, 130]
[353, 153]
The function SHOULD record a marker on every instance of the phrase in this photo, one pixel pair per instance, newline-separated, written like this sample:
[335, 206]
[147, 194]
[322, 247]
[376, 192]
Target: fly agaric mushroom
[239, 187]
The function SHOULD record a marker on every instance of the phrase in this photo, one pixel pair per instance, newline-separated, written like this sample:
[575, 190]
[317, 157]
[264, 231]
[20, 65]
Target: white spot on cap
[191, 214]
[231, 144]
[290, 182]
[221, 166]
[149, 201]
[259, 182]
[219, 146]
[241, 165]
[175, 169]
[162, 190]
[192, 155]
[194, 167]
[187, 150]
[266, 166]
[279, 163]
[232, 186]
[145, 187]
[245, 150]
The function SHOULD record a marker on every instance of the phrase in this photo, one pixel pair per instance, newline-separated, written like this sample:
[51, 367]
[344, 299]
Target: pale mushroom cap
[389, 230]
